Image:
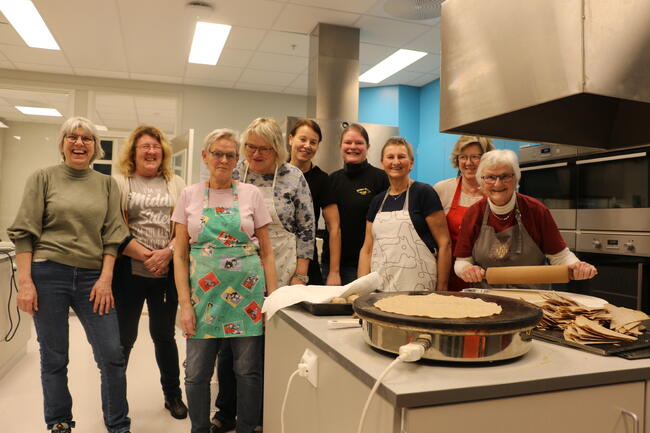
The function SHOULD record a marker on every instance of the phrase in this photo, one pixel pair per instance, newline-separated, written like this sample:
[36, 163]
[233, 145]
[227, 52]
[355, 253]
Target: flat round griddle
[515, 314]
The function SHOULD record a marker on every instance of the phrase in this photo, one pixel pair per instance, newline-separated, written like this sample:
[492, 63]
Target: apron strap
[406, 200]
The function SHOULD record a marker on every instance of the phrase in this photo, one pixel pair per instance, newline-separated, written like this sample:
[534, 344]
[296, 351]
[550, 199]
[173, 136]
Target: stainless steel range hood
[559, 71]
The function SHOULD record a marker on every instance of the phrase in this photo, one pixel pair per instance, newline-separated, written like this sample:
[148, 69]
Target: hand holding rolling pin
[582, 271]
[473, 274]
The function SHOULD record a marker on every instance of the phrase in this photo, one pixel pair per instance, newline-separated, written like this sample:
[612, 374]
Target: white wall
[200, 108]
[36, 148]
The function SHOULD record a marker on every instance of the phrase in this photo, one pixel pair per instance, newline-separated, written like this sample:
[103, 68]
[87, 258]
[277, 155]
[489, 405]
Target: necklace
[396, 197]
[506, 218]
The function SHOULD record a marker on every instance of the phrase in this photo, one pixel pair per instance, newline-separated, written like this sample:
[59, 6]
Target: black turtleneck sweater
[354, 187]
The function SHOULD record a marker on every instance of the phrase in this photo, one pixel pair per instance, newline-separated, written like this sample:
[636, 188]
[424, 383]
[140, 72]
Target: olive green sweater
[70, 217]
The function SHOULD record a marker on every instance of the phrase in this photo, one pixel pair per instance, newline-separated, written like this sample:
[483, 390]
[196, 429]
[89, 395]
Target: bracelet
[303, 278]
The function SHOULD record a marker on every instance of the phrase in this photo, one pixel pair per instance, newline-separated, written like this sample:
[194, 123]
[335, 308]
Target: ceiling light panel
[25, 19]
[2, 125]
[392, 64]
[39, 111]
[208, 42]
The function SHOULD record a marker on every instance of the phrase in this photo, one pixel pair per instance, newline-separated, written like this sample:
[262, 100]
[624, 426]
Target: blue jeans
[60, 287]
[248, 365]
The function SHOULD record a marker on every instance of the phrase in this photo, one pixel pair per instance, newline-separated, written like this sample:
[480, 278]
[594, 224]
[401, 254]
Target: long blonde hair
[126, 164]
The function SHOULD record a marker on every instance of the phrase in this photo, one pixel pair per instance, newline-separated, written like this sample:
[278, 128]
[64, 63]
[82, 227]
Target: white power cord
[302, 371]
[410, 352]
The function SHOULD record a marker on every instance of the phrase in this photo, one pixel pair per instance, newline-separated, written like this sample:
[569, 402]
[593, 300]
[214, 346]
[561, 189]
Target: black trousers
[130, 292]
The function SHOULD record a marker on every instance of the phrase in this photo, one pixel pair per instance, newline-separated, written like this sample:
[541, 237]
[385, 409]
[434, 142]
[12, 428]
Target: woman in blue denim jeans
[67, 232]
[223, 264]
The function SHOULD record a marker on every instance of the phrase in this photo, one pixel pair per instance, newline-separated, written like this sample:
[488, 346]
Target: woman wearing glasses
[67, 232]
[510, 229]
[291, 231]
[459, 193]
[149, 190]
[223, 225]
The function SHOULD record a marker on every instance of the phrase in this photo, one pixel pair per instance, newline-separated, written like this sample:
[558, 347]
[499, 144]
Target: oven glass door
[621, 280]
[615, 182]
[553, 185]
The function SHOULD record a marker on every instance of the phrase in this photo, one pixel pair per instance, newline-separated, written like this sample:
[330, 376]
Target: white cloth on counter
[290, 295]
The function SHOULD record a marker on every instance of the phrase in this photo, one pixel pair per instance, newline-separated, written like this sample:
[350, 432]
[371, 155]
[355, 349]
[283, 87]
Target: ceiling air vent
[413, 9]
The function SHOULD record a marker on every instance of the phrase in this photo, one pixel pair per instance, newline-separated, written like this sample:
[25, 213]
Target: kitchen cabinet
[550, 389]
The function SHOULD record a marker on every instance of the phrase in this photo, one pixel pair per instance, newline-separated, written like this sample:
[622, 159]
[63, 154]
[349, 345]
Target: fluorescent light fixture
[208, 42]
[101, 128]
[2, 125]
[397, 61]
[29, 24]
[39, 111]
[17, 137]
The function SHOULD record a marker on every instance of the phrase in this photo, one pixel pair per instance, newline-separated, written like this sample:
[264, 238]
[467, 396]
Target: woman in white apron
[509, 229]
[292, 229]
[406, 228]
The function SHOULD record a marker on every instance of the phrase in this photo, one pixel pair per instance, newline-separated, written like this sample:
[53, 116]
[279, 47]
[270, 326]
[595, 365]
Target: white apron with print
[399, 255]
[283, 241]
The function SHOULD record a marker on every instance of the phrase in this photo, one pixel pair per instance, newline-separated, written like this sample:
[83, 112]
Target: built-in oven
[623, 263]
[613, 191]
[553, 183]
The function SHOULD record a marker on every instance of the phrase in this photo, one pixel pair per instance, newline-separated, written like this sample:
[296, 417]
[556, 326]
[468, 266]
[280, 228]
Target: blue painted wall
[416, 110]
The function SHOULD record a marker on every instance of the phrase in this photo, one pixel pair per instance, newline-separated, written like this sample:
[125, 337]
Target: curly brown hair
[126, 164]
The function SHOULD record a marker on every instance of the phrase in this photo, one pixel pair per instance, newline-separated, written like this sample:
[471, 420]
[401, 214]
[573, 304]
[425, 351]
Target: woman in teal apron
[223, 225]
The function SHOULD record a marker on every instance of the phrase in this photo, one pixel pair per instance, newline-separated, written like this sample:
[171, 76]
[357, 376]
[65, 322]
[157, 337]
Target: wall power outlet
[310, 361]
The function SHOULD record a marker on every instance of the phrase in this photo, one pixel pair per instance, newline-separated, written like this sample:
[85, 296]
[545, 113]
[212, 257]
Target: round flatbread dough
[438, 306]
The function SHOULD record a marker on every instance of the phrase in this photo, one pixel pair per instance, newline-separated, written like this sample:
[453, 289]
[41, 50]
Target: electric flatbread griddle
[494, 338]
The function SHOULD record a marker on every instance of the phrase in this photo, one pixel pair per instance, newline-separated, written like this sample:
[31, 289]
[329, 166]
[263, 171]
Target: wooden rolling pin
[527, 275]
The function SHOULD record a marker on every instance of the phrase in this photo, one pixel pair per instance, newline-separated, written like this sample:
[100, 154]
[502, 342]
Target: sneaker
[62, 427]
[176, 407]
[219, 426]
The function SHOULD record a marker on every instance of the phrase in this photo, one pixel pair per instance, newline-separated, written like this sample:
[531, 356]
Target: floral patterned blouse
[292, 201]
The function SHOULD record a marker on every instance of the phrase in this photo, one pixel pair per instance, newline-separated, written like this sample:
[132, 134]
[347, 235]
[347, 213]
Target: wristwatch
[171, 248]
[303, 278]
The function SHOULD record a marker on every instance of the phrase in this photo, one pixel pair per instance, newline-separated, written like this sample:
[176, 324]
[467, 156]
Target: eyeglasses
[220, 155]
[504, 178]
[474, 158]
[85, 139]
[263, 150]
[149, 147]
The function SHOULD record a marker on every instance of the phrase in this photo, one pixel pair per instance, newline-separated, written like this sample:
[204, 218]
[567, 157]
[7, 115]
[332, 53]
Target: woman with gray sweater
[67, 232]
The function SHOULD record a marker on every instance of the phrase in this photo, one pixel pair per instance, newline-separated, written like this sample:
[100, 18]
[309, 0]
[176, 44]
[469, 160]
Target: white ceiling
[267, 50]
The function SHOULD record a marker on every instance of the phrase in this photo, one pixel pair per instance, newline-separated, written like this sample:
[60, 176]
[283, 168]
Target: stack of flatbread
[588, 325]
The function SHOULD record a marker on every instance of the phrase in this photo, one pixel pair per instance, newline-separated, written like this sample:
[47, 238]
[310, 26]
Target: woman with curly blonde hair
[149, 190]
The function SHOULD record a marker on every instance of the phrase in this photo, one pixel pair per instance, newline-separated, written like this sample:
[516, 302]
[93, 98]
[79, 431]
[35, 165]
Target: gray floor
[21, 398]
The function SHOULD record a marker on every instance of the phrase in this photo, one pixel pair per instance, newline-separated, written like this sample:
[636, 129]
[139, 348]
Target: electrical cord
[12, 285]
[286, 395]
[410, 352]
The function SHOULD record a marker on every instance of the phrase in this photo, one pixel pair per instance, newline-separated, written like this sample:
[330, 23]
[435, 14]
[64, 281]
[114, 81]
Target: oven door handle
[542, 167]
[612, 158]
[639, 286]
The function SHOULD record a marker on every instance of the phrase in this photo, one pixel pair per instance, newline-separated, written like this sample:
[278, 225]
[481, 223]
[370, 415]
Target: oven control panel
[618, 243]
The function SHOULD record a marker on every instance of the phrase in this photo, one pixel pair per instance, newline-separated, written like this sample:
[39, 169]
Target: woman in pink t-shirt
[222, 225]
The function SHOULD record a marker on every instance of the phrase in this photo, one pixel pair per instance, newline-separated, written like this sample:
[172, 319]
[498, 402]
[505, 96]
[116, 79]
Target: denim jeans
[348, 273]
[226, 401]
[248, 365]
[130, 293]
[60, 287]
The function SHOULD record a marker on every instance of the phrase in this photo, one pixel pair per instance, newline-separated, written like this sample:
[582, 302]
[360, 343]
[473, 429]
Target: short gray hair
[80, 122]
[269, 130]
[497, 157]
[218, 134]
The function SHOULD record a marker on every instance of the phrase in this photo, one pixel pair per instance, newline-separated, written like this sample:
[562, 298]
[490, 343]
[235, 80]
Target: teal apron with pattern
[226, 275]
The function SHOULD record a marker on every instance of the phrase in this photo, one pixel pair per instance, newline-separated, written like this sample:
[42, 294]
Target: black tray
[617, 349]
[328, 309]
